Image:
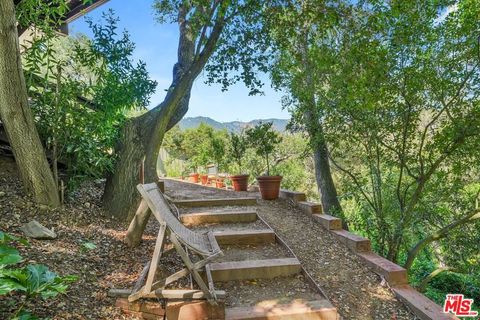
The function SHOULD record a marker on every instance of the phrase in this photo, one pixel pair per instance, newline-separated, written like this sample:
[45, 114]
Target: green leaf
[18, 274]
[10, 259]
[88, 246]
[9, 255]
[9, 285]
[26, 315]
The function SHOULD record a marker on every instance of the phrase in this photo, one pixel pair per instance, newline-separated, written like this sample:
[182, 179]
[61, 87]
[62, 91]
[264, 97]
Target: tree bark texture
[140, 143]
[323, 174]
[17, 117]
[142, 137]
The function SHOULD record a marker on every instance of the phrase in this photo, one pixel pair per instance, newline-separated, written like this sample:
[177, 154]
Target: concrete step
[423, 307]
[242, 237]
[297, 310]
[191, 219]
[251, 201]
[254, 269]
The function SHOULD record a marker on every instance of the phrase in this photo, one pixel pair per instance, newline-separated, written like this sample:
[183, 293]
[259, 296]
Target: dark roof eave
[76, 10]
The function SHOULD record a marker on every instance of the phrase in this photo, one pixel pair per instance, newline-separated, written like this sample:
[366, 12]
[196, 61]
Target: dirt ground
[111, 264]
[352, 288]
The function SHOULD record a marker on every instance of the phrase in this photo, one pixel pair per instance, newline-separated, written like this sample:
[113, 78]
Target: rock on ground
[35, 230]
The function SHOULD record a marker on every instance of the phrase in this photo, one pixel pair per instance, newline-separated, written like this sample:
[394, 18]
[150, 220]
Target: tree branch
[423, 284]
[440, 234]
[355, 180]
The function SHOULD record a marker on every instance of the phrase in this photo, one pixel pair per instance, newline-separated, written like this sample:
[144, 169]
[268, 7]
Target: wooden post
[142, 172]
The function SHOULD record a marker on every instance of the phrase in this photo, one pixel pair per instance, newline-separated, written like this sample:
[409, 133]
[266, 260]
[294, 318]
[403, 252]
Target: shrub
[33, 280]
[264, 140]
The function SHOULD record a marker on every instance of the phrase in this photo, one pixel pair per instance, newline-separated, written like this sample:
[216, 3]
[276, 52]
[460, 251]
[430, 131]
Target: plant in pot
[238, 146]
[264, 140]
[192, 164]
[203, 159]
[218, 143]
[203, 176]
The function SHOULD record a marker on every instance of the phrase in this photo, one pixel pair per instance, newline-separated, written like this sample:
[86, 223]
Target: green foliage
[290, 158]
[174, 167]
[33, 280]
[87, 246]
[199, 147]
[8, 254]
[264, 140]
[44, 15]
[25, 315]
[445, 282]
[394, 87]
[238, 147]
[81, 91]
[218, 141]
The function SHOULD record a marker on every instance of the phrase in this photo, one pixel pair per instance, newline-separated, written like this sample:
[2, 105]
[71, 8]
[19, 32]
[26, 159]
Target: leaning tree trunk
[139, 213]
[312, 121]
[120, 196]
[143, 136]
[138, 144]
[323, 174]
[17, 116]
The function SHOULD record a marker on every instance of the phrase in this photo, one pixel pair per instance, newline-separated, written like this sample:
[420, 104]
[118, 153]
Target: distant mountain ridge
[233, 126]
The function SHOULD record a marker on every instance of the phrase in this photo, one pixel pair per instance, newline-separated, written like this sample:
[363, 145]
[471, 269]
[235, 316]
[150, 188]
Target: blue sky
[157, 45]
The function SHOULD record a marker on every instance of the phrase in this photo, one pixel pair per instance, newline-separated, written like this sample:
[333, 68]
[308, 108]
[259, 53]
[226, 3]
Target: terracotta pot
[204, 178]
[269, 186]
[194, 177]
[219, 183]
[240, 182]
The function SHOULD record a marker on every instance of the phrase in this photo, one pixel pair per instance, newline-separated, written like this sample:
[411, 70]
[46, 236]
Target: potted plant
[194, 177]
[203, 175]
[193, 166]
[218, 144]
[202, 158]
[219, 182]
[204, 178]
[238, 146]
[264, 140]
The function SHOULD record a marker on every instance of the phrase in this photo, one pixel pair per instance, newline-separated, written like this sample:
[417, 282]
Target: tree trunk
[311, 118]
[323, 175]
[120, 196]
[140, 144]
[143, 136]
[17, 116]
